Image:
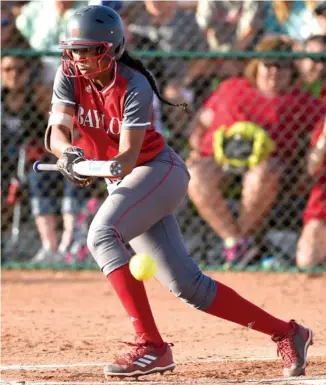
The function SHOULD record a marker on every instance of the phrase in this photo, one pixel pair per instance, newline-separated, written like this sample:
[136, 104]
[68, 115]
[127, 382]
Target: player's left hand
[71, 156]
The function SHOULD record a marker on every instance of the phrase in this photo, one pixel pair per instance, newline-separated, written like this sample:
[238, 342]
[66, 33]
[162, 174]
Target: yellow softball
[142, 266]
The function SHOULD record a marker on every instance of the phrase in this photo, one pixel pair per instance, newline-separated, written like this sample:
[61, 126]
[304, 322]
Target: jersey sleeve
[138, 107]
[63, 89]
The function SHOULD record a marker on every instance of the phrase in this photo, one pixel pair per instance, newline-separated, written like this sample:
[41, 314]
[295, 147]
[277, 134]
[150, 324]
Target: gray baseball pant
[139, 210]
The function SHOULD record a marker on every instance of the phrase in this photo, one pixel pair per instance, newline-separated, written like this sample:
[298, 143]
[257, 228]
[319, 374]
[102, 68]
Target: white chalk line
[94, 364]
[81, 365]
[287, 381]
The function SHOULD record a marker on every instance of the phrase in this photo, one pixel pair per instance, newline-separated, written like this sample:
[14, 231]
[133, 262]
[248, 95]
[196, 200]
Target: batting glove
[71, 156]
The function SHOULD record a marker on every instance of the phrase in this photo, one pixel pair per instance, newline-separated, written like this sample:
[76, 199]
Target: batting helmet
[94, 26]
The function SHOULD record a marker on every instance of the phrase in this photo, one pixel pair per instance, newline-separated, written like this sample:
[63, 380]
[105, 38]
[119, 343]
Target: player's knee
[199, 291]
[101, 238]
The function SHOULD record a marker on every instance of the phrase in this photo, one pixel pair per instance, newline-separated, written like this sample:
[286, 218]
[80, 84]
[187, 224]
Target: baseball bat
[97, 168]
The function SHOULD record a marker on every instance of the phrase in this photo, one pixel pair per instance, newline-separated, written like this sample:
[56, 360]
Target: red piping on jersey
[148, 194]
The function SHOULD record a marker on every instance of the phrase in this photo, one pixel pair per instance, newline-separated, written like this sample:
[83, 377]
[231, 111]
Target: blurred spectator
[25, 104]
[228, 24]
[266, 97]
[320, 13]
[166, 27]
[10, 35]
[12, 38]
[23, 96]
[312, 244]
[313, 71]
[157, 112]
[295, 19]
[43, 23]
[16, 7]
[116, 5]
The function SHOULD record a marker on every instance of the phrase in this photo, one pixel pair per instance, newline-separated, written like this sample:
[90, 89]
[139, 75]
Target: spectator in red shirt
[264, 96]
[312, 244]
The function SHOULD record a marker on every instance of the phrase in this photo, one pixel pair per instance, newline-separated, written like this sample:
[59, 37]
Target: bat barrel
[98, 168]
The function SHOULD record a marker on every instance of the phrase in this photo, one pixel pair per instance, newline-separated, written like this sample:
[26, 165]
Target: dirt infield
[74, 319]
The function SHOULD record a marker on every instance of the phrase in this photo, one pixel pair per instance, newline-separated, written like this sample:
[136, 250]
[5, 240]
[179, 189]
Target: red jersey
[286, 117]
[100, 115]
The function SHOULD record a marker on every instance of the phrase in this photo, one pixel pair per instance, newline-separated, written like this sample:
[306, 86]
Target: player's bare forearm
[130, 144]
[60, 140]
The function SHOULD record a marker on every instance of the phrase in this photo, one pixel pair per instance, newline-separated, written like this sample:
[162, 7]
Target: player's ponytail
[139, 66]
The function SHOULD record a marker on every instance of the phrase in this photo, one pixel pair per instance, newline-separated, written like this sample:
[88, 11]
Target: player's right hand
[71, 156]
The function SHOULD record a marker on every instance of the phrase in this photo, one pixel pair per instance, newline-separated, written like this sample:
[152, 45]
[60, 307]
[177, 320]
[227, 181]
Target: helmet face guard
[70, 65]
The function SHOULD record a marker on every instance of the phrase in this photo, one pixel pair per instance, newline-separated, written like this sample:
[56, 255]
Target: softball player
[108, 96]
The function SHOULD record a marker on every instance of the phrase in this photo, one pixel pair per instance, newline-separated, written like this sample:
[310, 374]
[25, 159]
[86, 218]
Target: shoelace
[137, 351]
[287, 350]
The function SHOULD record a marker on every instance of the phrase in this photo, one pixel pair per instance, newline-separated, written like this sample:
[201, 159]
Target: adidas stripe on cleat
[143, 359]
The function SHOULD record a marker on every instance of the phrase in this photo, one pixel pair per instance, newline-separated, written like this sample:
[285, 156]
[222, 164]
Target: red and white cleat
[293, 348]
[144, 358]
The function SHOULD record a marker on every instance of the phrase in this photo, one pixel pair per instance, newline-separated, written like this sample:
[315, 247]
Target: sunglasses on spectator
[5, 21]
[280, 64]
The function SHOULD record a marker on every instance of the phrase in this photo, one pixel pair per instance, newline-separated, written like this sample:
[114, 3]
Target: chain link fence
[204, 54]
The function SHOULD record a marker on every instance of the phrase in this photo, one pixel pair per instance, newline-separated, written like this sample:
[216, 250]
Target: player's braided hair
[136, 64]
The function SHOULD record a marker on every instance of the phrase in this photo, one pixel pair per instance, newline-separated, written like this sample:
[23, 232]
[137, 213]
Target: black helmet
[95, 25]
